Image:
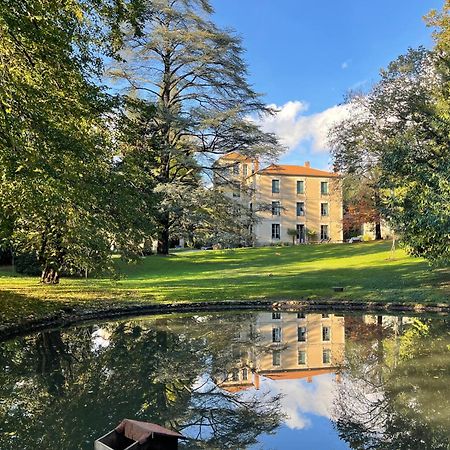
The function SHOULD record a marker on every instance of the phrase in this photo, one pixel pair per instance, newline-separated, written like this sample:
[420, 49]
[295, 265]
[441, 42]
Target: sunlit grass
[364, 270]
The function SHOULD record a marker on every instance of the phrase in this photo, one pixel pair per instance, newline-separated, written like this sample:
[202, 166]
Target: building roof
[285, 169]
[235, 156]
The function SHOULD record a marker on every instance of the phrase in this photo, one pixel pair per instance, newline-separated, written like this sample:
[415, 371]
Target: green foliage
[27, 264]
[400, 130]
[62, 198]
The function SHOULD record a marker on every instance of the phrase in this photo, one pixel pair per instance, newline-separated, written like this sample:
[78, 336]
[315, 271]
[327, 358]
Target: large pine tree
[195, 75]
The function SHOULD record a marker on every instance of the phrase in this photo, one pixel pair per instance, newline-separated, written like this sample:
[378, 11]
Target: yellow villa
[284, 345]
[292, 203]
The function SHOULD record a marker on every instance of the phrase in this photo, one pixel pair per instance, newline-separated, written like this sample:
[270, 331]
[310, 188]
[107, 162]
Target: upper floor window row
[300, 187]
[275, 186]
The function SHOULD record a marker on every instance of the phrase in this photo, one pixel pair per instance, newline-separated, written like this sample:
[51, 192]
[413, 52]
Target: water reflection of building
[281, 345]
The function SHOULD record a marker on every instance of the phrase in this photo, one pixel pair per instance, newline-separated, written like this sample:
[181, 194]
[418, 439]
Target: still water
[261, 380]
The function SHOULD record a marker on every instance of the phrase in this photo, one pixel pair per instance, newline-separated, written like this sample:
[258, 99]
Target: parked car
[355, 239]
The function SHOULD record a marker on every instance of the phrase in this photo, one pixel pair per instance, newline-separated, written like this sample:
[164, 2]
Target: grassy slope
[279, 273]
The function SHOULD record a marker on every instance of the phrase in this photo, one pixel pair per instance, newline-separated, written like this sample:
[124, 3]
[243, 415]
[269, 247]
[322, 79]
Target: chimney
[307, 164]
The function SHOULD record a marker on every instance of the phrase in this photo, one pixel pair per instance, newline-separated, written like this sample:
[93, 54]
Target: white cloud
[344, 65]
[303, 400]
[294, 127]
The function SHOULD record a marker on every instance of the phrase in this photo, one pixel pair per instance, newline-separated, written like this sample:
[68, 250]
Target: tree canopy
[400, 131]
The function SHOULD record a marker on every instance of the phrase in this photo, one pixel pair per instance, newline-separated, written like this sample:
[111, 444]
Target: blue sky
[304, 55]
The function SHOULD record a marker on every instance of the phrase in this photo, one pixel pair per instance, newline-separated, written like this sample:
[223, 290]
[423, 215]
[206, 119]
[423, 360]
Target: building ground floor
[278, 230]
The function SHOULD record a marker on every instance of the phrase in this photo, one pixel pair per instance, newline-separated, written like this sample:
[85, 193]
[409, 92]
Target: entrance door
[301, 233]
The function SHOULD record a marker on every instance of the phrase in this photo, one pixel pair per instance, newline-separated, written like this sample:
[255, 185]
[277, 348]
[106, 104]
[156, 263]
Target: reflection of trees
[220, 420]
[394, 395]
[58, 389]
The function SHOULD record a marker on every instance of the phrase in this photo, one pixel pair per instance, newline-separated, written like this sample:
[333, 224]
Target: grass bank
[365, 270]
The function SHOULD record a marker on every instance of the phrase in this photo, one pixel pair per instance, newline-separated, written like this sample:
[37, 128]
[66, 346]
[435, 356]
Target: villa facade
[285, 346]
[288, 199]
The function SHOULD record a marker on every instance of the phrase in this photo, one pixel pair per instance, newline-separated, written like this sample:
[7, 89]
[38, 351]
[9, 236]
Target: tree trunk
[378, 230]
[378, 236]
[49, 276]
[164, 236]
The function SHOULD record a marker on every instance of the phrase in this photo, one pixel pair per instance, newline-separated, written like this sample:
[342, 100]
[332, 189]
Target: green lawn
[365, 270]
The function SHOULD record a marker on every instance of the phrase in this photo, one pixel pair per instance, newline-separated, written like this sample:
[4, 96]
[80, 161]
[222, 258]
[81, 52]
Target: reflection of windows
[300, 208]
[244, 374]
[275, 231]
[276, 334]
[301, 357]
[276, 208]
[301, 334]
[275, 186]
[326, 356]
[300, 187]
[326, 333]
[276, 357]
[324, 209]
[323, 231]
[324, 187]
[276, 315]
[301, 315]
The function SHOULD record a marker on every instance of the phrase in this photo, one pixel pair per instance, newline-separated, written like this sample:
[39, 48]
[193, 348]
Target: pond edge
[69, 317]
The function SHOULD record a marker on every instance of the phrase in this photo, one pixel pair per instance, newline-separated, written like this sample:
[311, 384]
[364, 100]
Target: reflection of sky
[308, 409]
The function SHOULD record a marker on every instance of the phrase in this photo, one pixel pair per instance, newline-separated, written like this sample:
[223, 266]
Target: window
[324, 232]
[301, 315]
[324, 209]
[276, 334]
[275, 186]
[276, 315]
[251, 206]
[301, 357]
[276, 208]
[301, 232]
[300, 208]
[235, 375]
[244, 170]
[324, 187]
[275, 231]
[301, 332]
[325, 316]
[326, 356]
[236, 194]
[236, 169]
[245, 374]
[326, 333]
[276, 357]
[300, 187]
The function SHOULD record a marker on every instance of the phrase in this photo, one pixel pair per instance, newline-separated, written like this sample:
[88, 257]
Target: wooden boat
[137, 435]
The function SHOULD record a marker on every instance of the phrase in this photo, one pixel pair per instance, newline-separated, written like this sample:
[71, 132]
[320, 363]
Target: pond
[234, 380]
